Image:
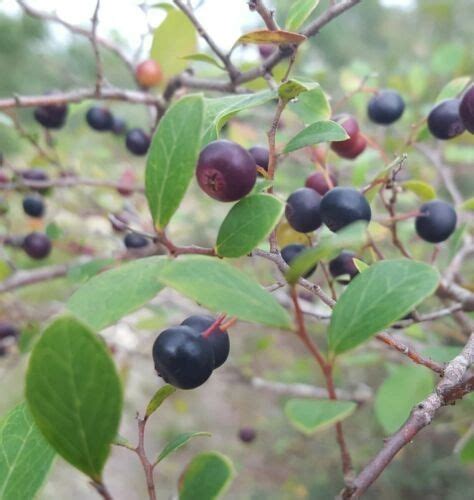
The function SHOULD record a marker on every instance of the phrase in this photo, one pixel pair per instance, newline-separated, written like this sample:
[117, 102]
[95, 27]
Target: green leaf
[160, 395]
[293, 88]
[453, 88]
[277, 37]
[168, 48]
[25, 456]
[312, 106]
[74, 394]
[360, 265]
[299, 11]
[403, 389]
[442, 354]
[310, 416]
[53, 231]
[322, 131]
[5, 270]
[468, 205]
[249, 222]
[223, 288]
[466, 454]
[204, 58]
[178, 442]
[172, 158]
[376, 298]
[83, 272]
[113, 294]
[206, 477]
[422, 189]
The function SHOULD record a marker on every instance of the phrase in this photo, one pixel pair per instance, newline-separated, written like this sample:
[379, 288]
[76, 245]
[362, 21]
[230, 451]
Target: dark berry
[218, 339]
[36, 175]
[100, 119]
[319, 182]
[149, 73]
[119, 126]
[137, 141]
[182, 358]
[342, 265]
[261, 156]
[343, 206]
[37, 245]
[444, 121]
[466, 109]
[266, 50]
[134, 240]
[289, 252]
[33, 206]
[386, 107]
[247, 434]
[226, 171]
[7, 330]
[51, 116]
[303, 210]
[437, 221]
[355, 145]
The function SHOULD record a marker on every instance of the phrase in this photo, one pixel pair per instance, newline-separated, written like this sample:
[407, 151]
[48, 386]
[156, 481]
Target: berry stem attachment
[214, 326]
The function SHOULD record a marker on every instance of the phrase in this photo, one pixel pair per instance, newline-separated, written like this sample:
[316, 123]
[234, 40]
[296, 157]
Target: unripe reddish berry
[149, 74]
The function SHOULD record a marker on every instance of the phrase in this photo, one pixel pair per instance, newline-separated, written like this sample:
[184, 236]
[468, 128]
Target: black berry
[134, 240]
[289, 252]
[444, 121]
[261, 156]
[7, 330]
[226, 171]
[319, 182]
[437, 221]
[343, 206]
[51, 116]
[182, 358]
[137, 141]
[100, 119]
[303, 210]
[247, 434]
[37, 245]
[219, 339]
[466, 109]
[342, 265]
[33, 206]
[386, 107]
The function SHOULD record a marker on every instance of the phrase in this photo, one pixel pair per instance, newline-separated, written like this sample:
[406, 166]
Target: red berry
[149, 73]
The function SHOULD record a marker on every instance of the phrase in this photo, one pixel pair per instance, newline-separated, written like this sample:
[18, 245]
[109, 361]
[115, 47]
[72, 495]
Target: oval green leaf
[293, 88]
[423, 190]
[247, 224]
[178, 442]
[74, 394]
[376, 298]
[322, 131]
[298, 12]
[312, 106]
[160, 395]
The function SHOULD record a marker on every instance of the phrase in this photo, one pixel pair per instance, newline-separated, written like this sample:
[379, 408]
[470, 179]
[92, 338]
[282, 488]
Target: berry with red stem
[37, 245]
[291, 251]
[444, 120]
[386, 107]
[100, 119]
[135, 241]
[261, 156]
[51, 116]
[319, 182]
[343, 265]
[466, 109]
[33, 205]
[149, 73]
[137, 141]
[436, 222]
[303, 210]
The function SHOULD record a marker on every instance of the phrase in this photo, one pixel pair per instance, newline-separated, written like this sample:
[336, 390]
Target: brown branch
[267, 15]
[146, 464]
[102, 490]
[95, 47]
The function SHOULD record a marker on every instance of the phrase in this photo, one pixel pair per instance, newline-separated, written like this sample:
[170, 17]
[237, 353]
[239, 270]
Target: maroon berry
[247, 434]
[444, 121]
[355, 145]
[226, 171]
[466, 109]
[318, 181]
[266, 50]
[261, 156]
[37, 245]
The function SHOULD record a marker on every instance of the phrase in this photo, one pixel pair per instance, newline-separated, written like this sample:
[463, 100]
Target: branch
[267, 15]
[95, 48]
[30, 277]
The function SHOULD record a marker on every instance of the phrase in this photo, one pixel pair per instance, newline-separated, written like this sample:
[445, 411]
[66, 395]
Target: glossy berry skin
[226, 171]
[100, 119]
[52, 116]
[260, 155]
[37, 245]
[218, 339]
[289, 252]
[182, 358]
[343, 206]
[33, 206]
[437, 222]
[343, 264]
[247, 434]
[318, 182]
[386, 107]
[148, 73]
[7, 330]
[444, 121]
[466, 109]
[137, 141]
[134, 241]
[303, 210]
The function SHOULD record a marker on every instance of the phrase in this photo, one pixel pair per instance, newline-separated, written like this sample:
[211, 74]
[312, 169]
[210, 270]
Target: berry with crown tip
[291, 251]
[386, 107]
[100, 119]
[303, 210]
[466, 109]
[247, 434]
[319, 182]
[444, 121]
[8, 330]
[343, 206]
[137, 141]
[37, 245]
[226, 171]
[436, 222]
[51, 116]
[149, 73]
[261, 156]
[219, 339]
[134, 241]
[182, 358]
[342, 265]
[33, 206]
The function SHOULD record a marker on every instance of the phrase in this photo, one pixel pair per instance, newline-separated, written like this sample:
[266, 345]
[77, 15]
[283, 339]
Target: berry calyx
[386, 107]
[33, 206]
[182, 358]
[37, 245]
[226, 171]
[148, 73]
[444, 120]
[343, 265]
[466, 109]
[436, 222]
[289, 252]
[303, 210]
[343, 206]
[100, 119]
[134, 241]
[219, 339]
[51, 116]
[319, 182]
[137, 141]
[261, 156]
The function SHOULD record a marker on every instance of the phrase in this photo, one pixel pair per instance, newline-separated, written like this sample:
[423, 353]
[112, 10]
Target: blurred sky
[225, 19]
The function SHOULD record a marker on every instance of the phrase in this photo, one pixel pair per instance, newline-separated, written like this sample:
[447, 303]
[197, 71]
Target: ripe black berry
[343, 264]
[51, 116]
[33, 206]
[386, 107]
[319, 182]
[218, 339]
[134, 240]
[100, 119]
[137, 141]
[247, 434]
[37, 245]
[303, 210]
[444, 121]
[260, 155]
[343, 206]
[7, 330]
[226, 171]
[182, 358]
[437, 221]
[289, 252]
[466, 109]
